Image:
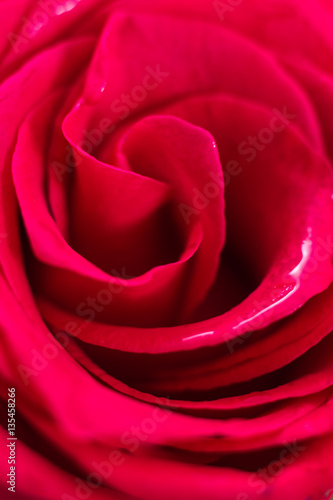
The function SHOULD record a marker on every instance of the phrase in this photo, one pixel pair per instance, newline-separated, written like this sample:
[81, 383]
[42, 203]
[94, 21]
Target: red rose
[166, 249]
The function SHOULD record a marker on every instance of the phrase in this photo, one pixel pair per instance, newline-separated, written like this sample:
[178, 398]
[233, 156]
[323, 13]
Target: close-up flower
[166, 249]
